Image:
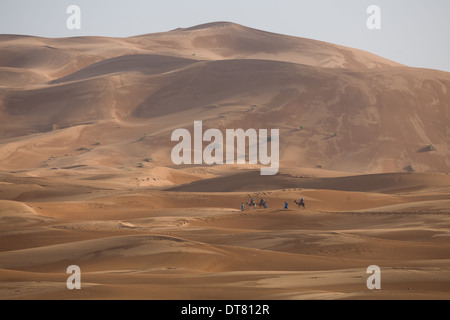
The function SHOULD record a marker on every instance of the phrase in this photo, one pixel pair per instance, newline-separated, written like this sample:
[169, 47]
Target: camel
[300, 204]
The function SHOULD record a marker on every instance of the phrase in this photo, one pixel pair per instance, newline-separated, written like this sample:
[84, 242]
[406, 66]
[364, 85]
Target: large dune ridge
[336, 107]
[86, 176]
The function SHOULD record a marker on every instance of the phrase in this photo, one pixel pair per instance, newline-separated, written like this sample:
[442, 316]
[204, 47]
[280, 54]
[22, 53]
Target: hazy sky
[413, 32]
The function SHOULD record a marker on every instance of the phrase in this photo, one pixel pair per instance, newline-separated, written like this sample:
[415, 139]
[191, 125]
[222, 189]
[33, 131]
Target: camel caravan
[262, 204]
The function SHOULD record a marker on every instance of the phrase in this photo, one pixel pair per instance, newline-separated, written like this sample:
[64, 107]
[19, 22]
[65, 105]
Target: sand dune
[327, 118]
[147, 64]
[272, 254]
[347, 111]
[10, 77]
[86, 176]
[225, 40]
[17, 214]
[380, 183]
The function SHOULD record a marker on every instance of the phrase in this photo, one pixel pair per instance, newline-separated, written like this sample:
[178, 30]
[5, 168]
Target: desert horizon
[87, 178]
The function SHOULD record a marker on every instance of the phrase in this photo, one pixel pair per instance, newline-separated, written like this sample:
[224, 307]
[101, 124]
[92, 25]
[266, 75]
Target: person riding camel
[301, 201]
